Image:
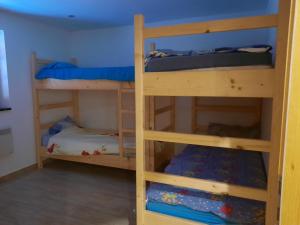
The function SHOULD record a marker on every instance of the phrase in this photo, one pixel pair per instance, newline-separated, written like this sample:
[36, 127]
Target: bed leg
[40, 164]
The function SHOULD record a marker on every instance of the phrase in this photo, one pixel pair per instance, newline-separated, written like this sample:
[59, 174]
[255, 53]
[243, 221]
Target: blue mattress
[72, 73]
[235, 167]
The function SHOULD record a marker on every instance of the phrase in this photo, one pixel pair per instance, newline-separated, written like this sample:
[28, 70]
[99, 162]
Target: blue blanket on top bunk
[66, 71]
[235, 167]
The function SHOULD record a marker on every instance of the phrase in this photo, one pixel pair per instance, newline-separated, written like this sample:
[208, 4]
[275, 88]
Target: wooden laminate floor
[66, 193]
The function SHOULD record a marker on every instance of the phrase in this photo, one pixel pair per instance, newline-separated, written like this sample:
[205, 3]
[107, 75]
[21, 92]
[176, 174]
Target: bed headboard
[38, 63]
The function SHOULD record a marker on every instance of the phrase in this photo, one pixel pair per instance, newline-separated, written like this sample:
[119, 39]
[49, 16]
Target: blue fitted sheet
[76, 73]
[186, 213]
[231, 166]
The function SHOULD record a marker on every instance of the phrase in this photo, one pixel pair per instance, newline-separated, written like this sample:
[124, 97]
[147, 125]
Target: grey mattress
[209, 61]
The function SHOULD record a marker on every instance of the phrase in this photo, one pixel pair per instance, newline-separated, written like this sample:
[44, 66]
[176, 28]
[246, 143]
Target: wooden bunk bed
[126, 157]
[239, 82]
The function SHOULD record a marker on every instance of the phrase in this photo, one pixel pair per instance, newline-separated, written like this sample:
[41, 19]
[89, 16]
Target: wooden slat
[291, 182]
[163, 109]
[140, 121]
[120, 123]
[54, 84]
[208, 186]
[227, 108]
[206, 140]
[56, 105]
[103, 160]
[211, 83]
[152, 218]
[246, 23]
[281, 85]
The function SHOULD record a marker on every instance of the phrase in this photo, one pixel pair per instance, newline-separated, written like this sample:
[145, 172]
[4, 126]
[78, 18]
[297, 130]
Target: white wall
[22, 37]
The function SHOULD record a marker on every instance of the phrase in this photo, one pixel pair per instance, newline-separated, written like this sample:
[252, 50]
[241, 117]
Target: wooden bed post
[36, 111]
[291, 186]
[120, 123]
[281, 78]
[140, 123]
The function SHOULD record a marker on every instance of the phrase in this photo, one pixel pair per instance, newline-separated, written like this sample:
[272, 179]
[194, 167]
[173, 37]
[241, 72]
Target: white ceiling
[106, 13]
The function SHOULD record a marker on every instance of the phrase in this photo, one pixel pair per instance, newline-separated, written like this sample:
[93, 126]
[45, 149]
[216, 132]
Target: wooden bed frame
[122, 160]
[239, 82]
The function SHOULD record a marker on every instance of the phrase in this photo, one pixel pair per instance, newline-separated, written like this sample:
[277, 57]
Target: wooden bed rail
[246, 23]
[208, 186]
[206, 140]
[255, 82]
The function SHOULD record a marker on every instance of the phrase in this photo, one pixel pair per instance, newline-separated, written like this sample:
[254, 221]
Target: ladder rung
[206, 140]
[56, 105]
[208, 186]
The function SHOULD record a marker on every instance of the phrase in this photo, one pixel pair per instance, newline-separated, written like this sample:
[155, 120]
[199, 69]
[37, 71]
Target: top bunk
[225, 74]
[49, 74]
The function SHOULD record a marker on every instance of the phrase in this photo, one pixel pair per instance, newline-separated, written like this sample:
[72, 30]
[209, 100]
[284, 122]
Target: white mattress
[77, 141]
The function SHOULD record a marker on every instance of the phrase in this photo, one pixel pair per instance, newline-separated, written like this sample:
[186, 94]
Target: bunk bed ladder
[122, 114]
[259, 83]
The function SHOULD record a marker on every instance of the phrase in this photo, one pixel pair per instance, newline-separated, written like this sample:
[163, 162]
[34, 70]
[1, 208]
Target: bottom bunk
[65, 140]
[234, 167]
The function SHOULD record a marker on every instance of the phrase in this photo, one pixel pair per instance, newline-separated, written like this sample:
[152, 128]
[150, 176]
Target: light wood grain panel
[56, 105]
[244, 23]
[291, 180]
[55, 84]
[36, 110]
[208, 186]
[281, 83]
[211, 83]
[140, 113]
[103, 160]
[206, 140]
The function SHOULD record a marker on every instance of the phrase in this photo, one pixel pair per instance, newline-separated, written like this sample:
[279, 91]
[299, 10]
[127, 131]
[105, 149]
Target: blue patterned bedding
[66, 71]
[236, 167]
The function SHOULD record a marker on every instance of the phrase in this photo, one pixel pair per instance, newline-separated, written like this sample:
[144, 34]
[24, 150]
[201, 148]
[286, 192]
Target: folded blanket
[162, 53]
